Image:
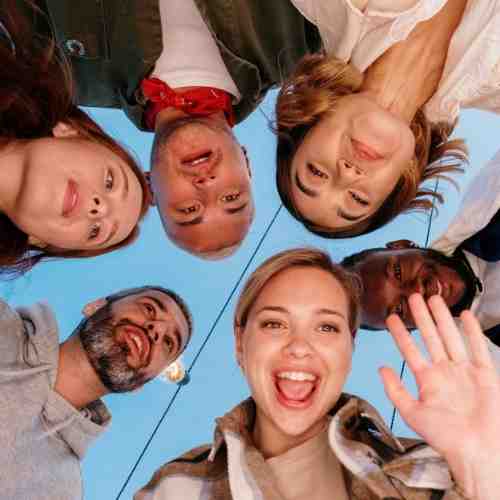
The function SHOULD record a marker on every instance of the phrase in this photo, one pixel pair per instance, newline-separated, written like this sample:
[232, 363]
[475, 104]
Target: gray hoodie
[42, 437]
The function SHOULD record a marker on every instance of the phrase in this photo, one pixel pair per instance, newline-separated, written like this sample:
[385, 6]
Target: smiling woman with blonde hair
[299, 436]
[67, 189]
[363, 126]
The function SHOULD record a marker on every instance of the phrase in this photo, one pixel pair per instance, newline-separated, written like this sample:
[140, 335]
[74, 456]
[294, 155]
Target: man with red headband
[187, 70]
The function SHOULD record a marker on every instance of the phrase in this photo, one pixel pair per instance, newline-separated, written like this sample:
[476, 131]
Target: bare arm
[407, 75]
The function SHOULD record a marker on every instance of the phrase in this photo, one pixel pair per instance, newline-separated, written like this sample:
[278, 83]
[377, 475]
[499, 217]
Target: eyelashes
[358, 199]
[278, 325]
[315, 171]
[95, 230]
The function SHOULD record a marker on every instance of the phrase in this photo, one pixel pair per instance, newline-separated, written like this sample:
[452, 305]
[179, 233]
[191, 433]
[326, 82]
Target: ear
[238, 338]
[245, 154]
[401, 244]
[147, 175]
[92, 307]
[64, 130]
[35, 242]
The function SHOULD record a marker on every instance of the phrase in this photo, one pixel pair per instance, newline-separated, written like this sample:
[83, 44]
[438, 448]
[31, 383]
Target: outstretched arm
[458, 407]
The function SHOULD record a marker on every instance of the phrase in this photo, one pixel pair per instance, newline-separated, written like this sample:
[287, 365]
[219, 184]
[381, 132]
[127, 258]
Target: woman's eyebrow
[305, 190]
[330, 311]
[272, 309]
[351, 218]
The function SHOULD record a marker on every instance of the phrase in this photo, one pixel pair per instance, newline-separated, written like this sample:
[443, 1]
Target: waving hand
[458, 407]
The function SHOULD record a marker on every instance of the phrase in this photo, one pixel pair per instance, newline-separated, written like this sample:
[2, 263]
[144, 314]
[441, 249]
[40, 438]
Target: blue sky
[209, 289]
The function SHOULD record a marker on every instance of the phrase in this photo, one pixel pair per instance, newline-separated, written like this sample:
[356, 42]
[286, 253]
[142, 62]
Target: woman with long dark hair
[67, 189]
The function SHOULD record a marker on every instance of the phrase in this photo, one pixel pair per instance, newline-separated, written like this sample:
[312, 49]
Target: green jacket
[113, 44]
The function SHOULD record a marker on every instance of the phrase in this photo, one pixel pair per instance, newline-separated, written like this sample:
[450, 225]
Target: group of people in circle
[369, 94]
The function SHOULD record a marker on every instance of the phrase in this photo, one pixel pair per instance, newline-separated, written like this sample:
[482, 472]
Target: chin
[300, 427]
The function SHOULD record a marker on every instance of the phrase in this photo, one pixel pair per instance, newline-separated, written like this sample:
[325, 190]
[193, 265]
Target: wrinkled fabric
[376, 464]
[42, 436]
[113, 45]
[478, 207]
[471, 75]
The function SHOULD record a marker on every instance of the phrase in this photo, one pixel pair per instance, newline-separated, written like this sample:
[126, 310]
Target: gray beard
[107, 357]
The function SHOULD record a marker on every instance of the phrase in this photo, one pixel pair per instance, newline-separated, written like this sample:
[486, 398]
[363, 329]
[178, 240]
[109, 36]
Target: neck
[12, 166]
[77, 381]
[406, 76]
[273, 442]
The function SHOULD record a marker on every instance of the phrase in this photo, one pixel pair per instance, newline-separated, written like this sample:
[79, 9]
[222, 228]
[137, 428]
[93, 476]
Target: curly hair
[37, 93]
[309, 94]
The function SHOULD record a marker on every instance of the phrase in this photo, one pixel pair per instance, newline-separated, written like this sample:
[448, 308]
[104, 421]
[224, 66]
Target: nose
[157, 330]
[98, 207]
[347, 173]
[205, 180]
[298, 346]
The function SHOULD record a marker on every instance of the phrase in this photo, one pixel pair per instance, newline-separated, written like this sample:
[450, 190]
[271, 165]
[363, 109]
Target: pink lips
[365, 151]
[70, 198]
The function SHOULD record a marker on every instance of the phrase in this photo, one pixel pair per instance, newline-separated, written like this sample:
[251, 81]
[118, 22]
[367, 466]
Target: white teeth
[298, 376]
[439, 288]
[137, 342]
[200, 160]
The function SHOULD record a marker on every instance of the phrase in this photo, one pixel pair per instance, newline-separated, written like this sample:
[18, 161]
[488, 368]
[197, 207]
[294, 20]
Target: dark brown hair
[36, 93]
[309, 94]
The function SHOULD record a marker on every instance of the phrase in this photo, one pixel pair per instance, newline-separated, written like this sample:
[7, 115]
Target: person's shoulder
[186, 475]
[9, 317]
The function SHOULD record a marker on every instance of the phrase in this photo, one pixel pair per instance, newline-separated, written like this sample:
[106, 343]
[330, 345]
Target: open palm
[458, 401]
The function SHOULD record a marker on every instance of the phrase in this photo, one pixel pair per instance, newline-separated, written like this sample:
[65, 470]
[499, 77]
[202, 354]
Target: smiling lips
[70, 198]
[138, 344]
[365, 151]
[295, 389]
[203, 159]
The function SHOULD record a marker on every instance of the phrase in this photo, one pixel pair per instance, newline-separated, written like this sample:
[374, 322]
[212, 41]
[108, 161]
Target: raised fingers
[450, 336]
[406, 345]
[427, 327]
[397, 393]
[479, 351]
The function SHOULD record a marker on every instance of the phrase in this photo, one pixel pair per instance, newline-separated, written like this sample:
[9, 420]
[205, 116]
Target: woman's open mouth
[295, 389]
[70, 200]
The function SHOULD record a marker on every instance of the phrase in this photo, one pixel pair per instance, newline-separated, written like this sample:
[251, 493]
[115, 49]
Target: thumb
[397, 393]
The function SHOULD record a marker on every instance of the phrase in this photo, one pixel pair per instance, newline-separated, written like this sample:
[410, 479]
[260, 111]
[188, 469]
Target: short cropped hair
[174, 296]
[351, 261]
[299, 257]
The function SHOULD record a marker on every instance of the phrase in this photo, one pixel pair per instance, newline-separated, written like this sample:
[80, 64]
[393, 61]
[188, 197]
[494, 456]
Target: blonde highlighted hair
[309, 94]
[298, 257]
